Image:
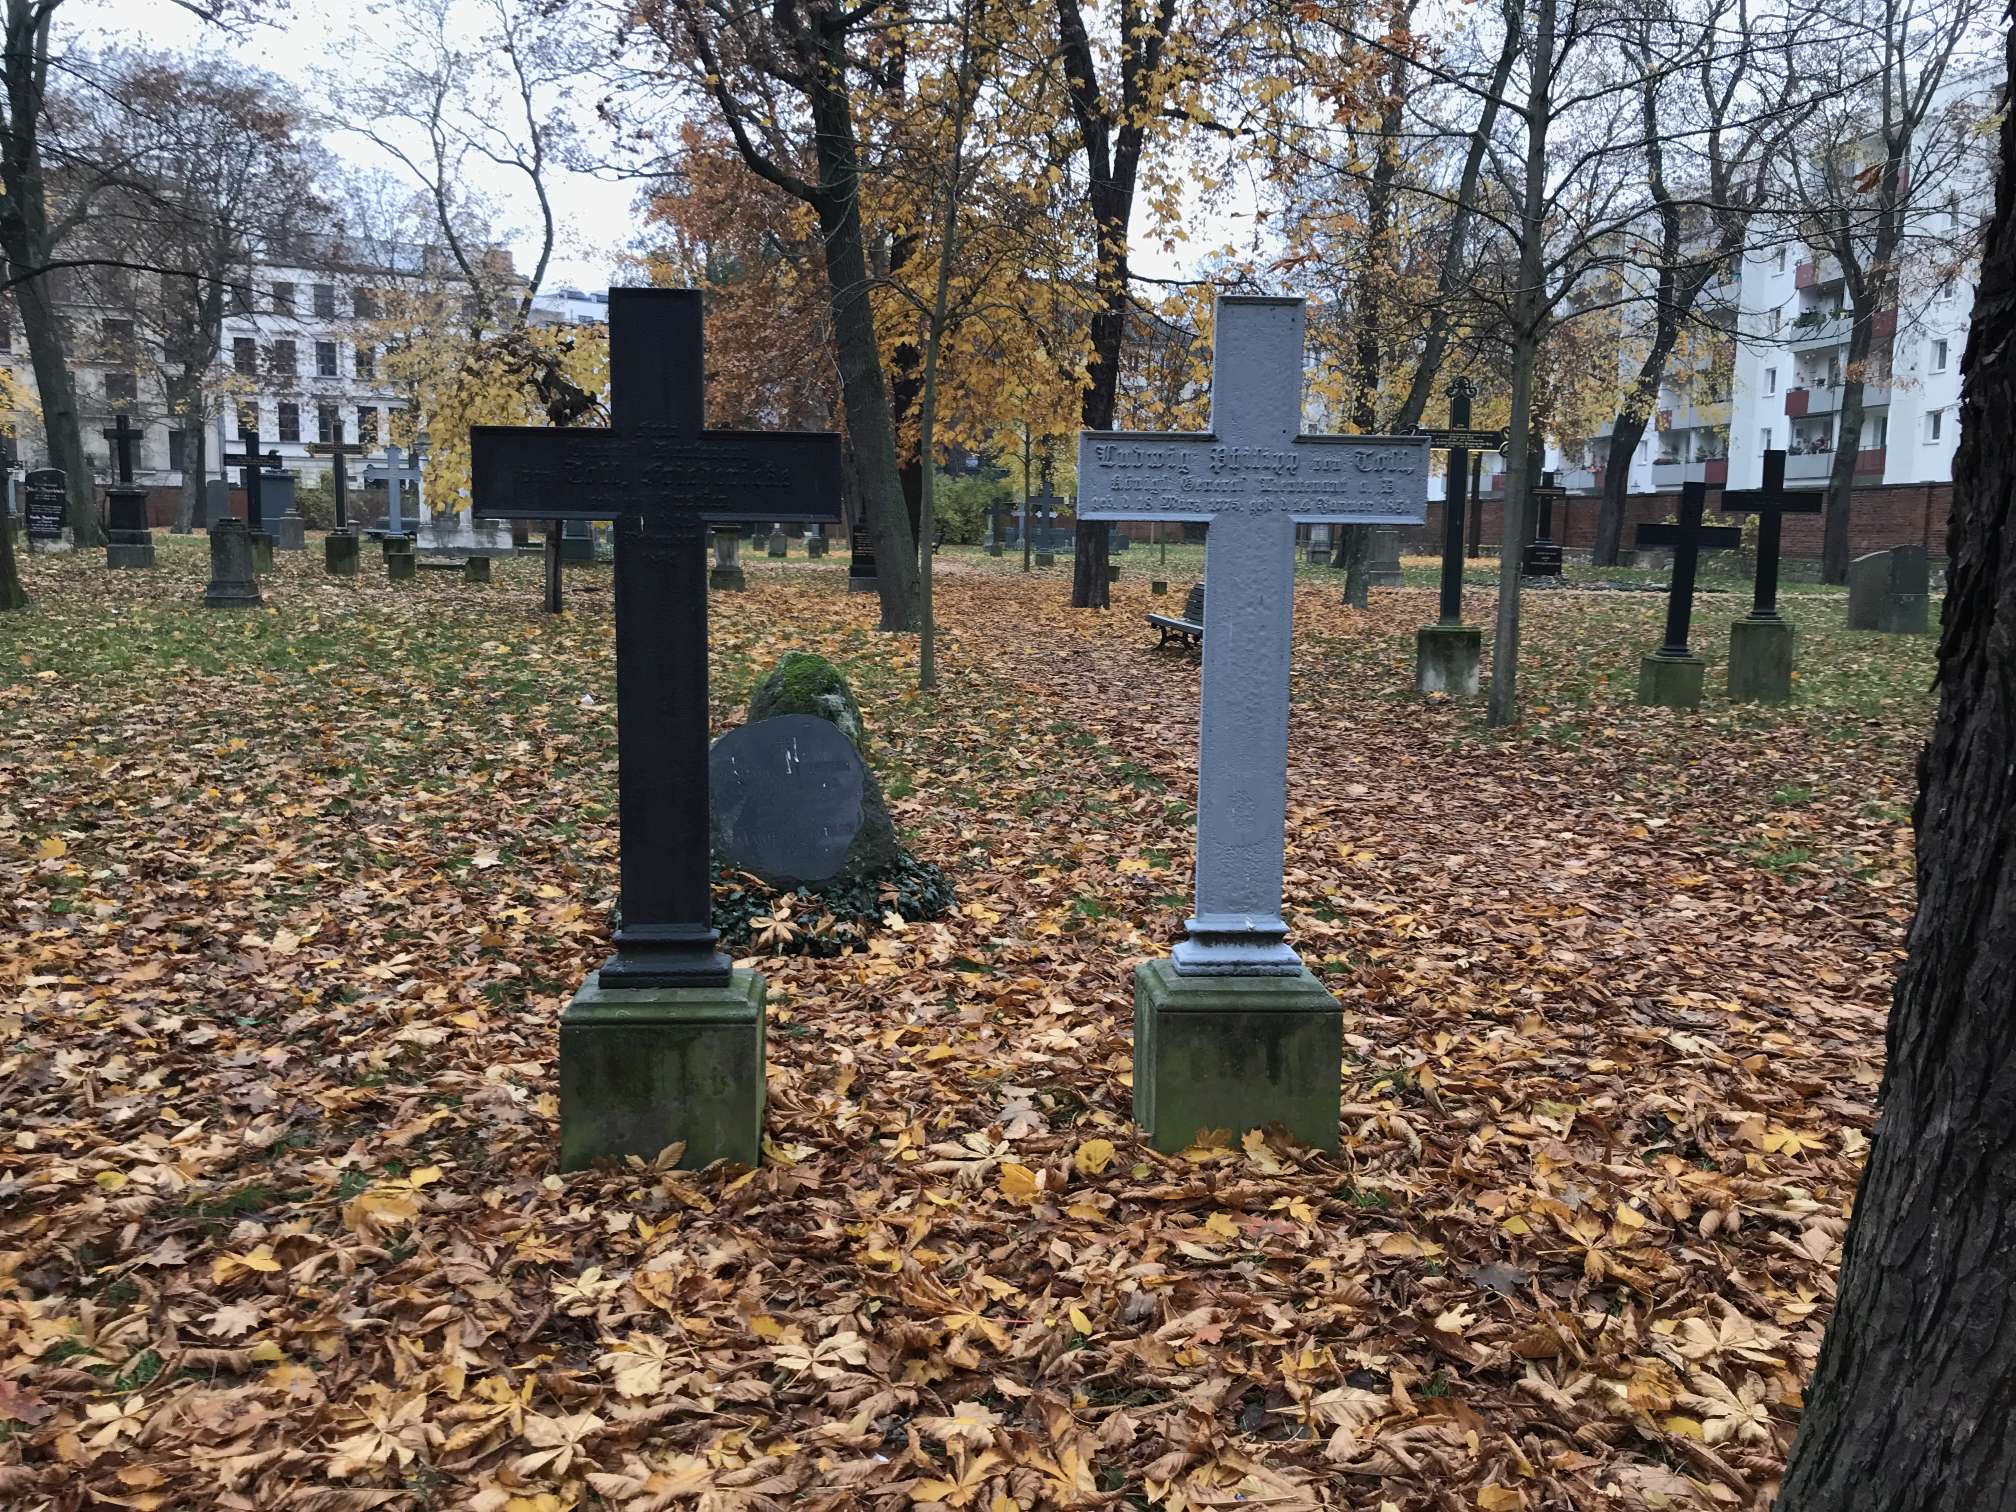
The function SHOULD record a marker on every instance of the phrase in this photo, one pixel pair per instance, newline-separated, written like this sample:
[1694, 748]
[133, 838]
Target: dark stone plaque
[44, 489]
[787, 799]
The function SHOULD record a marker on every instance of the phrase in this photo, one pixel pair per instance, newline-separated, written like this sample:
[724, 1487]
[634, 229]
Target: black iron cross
[1770, 504]
[665, 480]
[122, 436]
[1459, 440]
[1687, 539]
[249, 462]
[339, 472]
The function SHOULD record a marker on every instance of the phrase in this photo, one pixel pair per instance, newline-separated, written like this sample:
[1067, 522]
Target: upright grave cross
[248, 461]
[1761, 644]
[395, 472]
[1447, 653]
[338, 452]
[1233, 1032]
[665, 480]
[1543, 555]
[1671, 676]
[128, 541]
[122, 436]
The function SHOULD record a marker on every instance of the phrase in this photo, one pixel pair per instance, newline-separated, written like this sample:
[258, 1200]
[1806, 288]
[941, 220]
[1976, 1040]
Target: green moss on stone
[806, 684]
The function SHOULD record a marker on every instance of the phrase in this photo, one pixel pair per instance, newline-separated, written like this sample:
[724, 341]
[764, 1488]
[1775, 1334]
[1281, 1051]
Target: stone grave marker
[251, 476]
[727, 575]
[46, 499]
[1382, 559]
[1542, 556]
[1761, 644]
[394, 473]
[215, 502]
[341, 545]
[290, 531]
[787, 799]
[128, 540]
[1890, 591]
[780, 544]
[234, 566]
[1670, 677]
[1448, 652]
[663, 1044]
[815, 542]
[1233, 1031]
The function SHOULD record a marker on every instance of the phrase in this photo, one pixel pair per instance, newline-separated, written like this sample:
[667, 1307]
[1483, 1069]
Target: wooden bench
[1188, 630]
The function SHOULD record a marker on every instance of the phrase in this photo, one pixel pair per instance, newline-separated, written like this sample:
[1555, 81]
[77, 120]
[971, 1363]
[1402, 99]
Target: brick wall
[1880, 516]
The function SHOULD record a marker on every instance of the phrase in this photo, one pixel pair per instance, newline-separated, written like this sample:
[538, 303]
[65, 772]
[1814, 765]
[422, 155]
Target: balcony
[1796, 400]
[1818, 467]
[1668, 474]
[1825, 399]
[1817, 337]
[1817, 273]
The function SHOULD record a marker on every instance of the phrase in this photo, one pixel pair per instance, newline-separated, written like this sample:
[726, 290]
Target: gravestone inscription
[787, 798]
[46, 497]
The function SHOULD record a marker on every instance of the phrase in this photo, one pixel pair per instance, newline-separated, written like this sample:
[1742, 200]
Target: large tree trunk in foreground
[56, 391]
[1910, 1406]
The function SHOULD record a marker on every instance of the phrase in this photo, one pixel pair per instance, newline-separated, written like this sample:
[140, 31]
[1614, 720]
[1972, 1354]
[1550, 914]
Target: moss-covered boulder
[806, 684]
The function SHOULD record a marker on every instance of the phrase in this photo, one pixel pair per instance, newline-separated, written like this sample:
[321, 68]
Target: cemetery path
[299, 896]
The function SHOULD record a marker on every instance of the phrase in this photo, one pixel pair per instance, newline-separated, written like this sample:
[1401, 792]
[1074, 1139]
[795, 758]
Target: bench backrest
[1193, 606]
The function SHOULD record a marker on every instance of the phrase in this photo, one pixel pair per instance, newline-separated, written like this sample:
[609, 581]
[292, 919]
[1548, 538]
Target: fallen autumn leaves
[298, 897]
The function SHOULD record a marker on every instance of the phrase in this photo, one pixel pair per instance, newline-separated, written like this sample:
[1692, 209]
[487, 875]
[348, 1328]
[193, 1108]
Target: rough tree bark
[1910, 1404]
[12, 594]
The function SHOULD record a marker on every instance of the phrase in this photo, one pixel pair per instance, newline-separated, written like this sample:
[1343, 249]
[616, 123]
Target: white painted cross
[1254, 477]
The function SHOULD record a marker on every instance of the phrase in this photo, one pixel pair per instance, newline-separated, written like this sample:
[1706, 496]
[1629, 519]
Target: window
[1939, 355]
[367, 428]
[1770, 380]
[1935, 424]
[365, 303]
[178, 450]
[1944, 293]
[1781, 259]
[1776, 316]
[1764, 439]
[290, 421]
[325, 359]
[121, 388]
[325, 300]
[241, 299]
[283, 361]
[367, 362]
[283, 299]
[328, 423]
[1875, 433]
[117, 334]
[245, 355]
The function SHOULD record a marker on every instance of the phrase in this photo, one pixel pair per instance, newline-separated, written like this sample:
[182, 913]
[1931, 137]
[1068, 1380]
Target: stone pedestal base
[129, 548]
[1158, 586]
[339, 553]
[1046, 559]
[52, 545]
[476, 570]
[1671, 682]
[780, 547]
[400, 566]
[1542, 559]
[1760, 661]
[1112, 572]
[1446, 658]
[994, 548]
[1234, 1052]
[233, 585]
[262, 551]
[290, 533]
[643, 1068]
[729, 579]
[856, 583]
[815, 546]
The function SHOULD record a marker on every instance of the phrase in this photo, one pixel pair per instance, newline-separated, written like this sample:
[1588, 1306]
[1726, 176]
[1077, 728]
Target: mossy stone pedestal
[262, 551]
[1046, 559]
[339, 553]
[643, 1068]
[1158, 586]
[290, 533]
[400, 564]
[1671, 682]
[815, 546]
[233, 584]
[1446, 658]
[1760, 661]
[476, 569]
[1235, 1052]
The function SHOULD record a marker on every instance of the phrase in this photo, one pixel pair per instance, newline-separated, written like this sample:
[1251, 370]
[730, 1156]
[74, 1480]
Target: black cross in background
[1687, 539]
[665, 480]
[122, 436]
[249, 461]
[1770, 504]
[339, 472]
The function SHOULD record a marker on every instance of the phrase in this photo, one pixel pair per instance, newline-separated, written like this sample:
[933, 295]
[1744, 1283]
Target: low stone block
[1671, 682]
[400, 567]
[339, 553]
[262, 551]
[233, 584]
[1235, 1052]
[727, 579]
[1446, 659]
[476, 569]
[290, 533]
[994, 548]
[1158, 586]
[1046, 559]
[643, 1068]
[815, 546]
[129, 548]
[1382, 559]
[780, 545]
[1760, 661]
[1112, 572]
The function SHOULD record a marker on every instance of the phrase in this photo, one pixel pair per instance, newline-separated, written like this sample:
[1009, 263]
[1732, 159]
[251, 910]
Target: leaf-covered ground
[296, 898]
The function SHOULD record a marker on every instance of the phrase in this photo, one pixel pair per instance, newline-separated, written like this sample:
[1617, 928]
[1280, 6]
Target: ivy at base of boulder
[830, 919]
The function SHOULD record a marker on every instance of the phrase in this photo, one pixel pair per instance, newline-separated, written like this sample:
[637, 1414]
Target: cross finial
[1461, 388]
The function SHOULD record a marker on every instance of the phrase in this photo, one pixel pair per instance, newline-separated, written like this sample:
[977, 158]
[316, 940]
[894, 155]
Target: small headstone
[233, 584]
[216, 502]
[44, 488]
[400, 563]
[577, 541]
[128, 540]
[787, 799]
[1890, 591]
[339, 552]
[476, 569]
[780, 544]
[815, 545]
[290, 531]
[1382, 562]
[726, 575]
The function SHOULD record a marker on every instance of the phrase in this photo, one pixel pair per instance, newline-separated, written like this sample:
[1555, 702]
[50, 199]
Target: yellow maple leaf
[1093, 1156]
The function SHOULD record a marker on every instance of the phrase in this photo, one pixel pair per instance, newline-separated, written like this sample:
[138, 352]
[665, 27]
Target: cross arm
[537, 473]
[1340, 480]
[1707, 538]
[1760, 501]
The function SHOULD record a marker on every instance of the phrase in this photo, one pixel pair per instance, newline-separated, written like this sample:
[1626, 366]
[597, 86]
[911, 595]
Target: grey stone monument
[1761, 644]
[787, 799]
[726, 575]
[290, 531]
[1319, 553]
[780, 543]
[400, 561]
[233, 584]
[395, 472]
[128, 540]
[47, 497]
[1233, 1031]
[1382, 559]
[1890, 591]
[815, 542]
[215, 502]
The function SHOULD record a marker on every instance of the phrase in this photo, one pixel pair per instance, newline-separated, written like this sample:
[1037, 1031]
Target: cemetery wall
[1882, 516]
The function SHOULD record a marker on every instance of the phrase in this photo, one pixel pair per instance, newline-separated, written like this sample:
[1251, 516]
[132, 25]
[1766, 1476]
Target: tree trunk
[1908, 1408]
[1625, 434]
[57, 393]
[1091, 546]
[190, 414]
[870, 424]
[1847, 448]
[12, 594]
